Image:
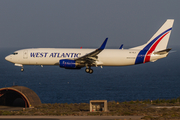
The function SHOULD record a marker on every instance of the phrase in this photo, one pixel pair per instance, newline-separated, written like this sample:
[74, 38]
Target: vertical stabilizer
[158, 42]
[160, 39]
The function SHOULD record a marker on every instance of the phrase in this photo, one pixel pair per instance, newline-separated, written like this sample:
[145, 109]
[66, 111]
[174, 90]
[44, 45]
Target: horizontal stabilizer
[162, 51]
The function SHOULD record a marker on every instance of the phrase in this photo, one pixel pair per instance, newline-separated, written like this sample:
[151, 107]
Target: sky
[84, 23]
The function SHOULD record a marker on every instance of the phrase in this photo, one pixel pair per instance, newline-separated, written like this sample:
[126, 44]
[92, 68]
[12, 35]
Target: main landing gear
[89, 70]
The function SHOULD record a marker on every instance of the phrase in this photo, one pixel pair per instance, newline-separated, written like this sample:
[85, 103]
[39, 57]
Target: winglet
[121, 47]
[103, 45]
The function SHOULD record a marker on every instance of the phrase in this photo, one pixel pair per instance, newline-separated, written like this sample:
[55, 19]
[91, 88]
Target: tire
[87, 70]
[91, 71]
[22, 69]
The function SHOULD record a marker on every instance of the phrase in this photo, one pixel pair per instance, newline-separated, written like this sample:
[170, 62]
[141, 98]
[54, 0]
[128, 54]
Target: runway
[71, 117]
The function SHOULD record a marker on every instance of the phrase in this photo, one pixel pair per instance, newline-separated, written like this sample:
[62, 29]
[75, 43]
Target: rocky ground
[156, 109]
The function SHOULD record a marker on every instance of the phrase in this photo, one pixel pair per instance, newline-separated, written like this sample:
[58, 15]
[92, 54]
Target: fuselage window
[15, 53]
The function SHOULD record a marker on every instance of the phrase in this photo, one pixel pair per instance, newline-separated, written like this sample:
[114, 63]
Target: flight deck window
[15, 53]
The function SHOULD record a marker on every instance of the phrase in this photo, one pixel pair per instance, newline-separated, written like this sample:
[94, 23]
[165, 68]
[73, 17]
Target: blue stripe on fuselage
[140, 57]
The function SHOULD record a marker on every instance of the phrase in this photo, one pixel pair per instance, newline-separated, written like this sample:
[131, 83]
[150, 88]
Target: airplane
[75, 58]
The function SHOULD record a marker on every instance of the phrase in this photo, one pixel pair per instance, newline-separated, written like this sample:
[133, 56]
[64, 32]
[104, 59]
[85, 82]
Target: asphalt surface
[71, 117]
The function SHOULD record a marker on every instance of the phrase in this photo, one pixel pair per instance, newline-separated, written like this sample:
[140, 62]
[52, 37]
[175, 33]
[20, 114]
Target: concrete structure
[98, 105]
[18, 96]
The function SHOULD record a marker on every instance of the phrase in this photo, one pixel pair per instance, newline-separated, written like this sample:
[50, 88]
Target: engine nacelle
[68, 64]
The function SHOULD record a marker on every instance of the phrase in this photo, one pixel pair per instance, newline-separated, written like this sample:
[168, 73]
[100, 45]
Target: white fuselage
[154, 49]
[52, 56]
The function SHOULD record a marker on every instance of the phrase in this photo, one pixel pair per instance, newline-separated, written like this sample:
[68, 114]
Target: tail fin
[160, 39]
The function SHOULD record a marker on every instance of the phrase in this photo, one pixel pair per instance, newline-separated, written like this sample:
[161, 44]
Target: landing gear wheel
[22, 69]
[87, 70]
[91, 71]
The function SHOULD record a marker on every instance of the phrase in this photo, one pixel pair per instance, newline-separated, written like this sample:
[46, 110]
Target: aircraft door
[25, 54]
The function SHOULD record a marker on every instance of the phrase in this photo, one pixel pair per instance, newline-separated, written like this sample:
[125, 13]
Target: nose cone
[8, 58]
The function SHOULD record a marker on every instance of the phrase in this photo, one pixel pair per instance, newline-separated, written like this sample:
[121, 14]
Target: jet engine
[68, 64]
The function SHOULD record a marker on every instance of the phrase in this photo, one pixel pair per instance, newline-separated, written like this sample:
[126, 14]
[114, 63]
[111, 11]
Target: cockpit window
[15, 53]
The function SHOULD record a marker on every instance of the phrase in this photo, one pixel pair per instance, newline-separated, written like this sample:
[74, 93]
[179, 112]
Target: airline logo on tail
[145, 54]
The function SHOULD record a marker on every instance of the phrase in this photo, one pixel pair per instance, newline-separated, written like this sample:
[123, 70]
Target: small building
[98, 105]
[19, 96]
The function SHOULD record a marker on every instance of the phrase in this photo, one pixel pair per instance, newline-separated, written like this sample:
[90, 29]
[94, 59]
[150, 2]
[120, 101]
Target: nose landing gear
[22, 69]
[20, 65]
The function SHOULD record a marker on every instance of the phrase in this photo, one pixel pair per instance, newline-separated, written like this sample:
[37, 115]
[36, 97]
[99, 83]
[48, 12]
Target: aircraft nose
[8, 58]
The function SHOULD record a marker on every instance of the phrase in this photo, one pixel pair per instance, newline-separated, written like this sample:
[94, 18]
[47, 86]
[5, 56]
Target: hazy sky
[86, 23]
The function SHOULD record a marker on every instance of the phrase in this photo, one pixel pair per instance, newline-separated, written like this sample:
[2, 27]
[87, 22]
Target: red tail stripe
[148, 55]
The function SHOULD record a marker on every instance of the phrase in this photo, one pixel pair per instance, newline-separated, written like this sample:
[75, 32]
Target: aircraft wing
[91, 58]
[121, 47]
